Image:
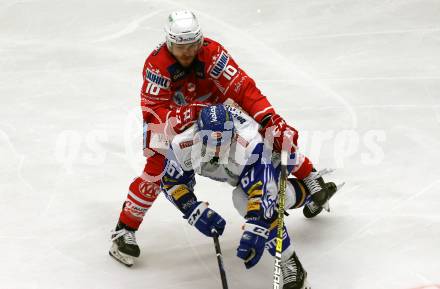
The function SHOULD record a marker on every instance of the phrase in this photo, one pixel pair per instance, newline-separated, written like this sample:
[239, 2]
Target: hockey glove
[284, 136]
[184, 116]
[206, 220]
[252, 242]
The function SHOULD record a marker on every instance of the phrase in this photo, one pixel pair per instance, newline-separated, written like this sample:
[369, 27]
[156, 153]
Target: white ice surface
[359, 79]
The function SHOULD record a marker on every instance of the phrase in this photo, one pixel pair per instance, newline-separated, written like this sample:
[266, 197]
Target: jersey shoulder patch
[220, 62]
[156, 77]
[215, 56]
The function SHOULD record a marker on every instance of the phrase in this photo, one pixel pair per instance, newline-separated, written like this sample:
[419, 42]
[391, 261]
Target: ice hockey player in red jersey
[180, 77]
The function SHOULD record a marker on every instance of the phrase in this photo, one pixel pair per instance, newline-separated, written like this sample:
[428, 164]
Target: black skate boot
[317, 188]
[124, 247]
[311, 209]
[294, 275]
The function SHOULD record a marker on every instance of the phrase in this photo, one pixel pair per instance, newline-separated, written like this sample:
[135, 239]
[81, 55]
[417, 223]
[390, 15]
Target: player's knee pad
[291, 196]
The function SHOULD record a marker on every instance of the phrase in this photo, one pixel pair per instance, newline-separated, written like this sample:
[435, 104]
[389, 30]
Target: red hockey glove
[184, 116]
[284, 136]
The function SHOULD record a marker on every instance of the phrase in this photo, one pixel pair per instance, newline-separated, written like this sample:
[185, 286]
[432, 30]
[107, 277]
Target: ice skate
[311, 209]
[124, 247]
[294, 275]
[317, 188]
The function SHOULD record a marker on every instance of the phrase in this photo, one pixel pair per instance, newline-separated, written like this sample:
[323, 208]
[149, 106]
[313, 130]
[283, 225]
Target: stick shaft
[280, 225]
[221, 267]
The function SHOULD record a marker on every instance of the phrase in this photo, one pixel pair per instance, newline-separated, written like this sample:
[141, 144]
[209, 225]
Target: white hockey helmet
[182, 28]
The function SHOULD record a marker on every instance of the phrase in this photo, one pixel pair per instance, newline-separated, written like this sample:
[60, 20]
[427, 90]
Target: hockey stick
[218, 252]
[280, 225]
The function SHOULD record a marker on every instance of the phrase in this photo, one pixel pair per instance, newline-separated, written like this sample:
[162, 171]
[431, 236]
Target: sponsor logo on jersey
[176, 71]
[189, 204]
[134, 210]
[236, 113]
[213, 114]
[157, 79]
[242, 141]
[220, 65]
[186, 144]
[240, 119]
[188, 163]
[179, 192]
[239, 84]
[216, 135]
[149, 190]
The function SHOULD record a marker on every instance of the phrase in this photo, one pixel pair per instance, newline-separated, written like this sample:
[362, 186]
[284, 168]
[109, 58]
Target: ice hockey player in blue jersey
[225, 145]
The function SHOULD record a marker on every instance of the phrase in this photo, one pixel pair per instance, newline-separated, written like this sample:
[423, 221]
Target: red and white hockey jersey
[213, 77]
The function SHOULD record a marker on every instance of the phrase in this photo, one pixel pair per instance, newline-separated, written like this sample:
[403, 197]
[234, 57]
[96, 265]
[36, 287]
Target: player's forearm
[259, 187]
[252, 185]
[182, 197]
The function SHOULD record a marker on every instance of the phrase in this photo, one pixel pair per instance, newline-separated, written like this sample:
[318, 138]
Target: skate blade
[326, 206]
[340, 186]
[306, 284]
[125, 259]
[325, 171]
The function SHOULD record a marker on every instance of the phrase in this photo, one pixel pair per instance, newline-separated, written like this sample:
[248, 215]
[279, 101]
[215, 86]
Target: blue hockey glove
[252, 242]
[206, 220]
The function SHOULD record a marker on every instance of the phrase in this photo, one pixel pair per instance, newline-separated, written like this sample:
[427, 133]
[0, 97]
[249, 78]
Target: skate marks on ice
[397, 205]
[293, 70]
[15, 190]
[12, 161]
[130, 28]
[437, 114]
[428, 287]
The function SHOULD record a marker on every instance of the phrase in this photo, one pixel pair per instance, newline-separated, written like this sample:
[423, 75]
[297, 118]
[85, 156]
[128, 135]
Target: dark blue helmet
[216, 126]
